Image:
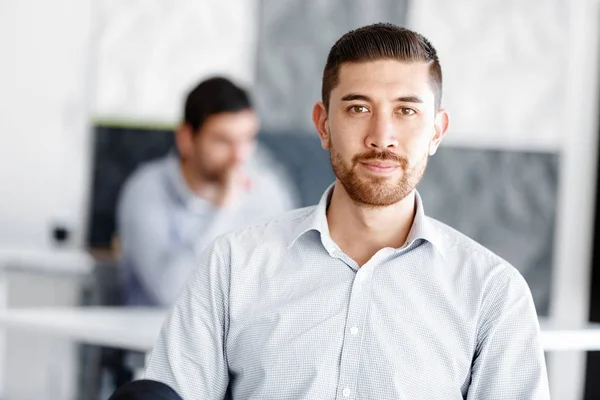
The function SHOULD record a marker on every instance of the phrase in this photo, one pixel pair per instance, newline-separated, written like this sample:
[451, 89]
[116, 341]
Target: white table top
[576, 338]
[119, 327]
[50, 260]
[137, 328]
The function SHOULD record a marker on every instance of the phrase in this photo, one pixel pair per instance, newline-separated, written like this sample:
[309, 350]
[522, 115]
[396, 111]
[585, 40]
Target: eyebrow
[403, 99]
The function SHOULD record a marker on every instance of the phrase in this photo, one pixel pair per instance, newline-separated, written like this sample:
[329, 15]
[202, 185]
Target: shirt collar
[317, 221]
[421, 229]
[424, 229]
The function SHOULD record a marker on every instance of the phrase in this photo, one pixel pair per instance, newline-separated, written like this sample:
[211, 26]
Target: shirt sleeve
[190, 354]
[509, 359]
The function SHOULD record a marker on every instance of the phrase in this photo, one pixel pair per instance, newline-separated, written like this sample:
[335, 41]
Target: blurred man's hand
[234, 183]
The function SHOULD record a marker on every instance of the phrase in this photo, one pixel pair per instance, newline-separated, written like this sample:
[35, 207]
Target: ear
[319, 116]
[184, 140]
[440, 127]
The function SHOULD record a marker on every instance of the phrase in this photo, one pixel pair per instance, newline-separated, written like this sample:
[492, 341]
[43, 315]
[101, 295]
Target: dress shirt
[278, 311]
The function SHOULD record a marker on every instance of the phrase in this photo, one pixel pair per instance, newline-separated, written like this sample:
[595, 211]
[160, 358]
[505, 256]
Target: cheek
[347, 137]
[417, 151]
[421, 135]
[343, 148]
[220, 155]
[210, 155]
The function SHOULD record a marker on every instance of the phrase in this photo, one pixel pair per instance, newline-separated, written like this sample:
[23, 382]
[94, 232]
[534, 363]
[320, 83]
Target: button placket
[351, 350]
[360, 280]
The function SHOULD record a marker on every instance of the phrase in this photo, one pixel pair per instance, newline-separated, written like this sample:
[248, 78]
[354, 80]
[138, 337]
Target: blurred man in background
[170, 209]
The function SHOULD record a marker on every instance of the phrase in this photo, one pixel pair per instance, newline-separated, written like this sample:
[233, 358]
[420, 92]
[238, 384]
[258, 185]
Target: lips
[380, 164]
[379, 167]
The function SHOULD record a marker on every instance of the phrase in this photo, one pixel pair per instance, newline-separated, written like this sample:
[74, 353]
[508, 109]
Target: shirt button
[353, 330]
[346, 392]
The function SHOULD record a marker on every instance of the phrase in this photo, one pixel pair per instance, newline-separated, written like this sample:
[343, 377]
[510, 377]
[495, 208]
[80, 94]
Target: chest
[314, 323]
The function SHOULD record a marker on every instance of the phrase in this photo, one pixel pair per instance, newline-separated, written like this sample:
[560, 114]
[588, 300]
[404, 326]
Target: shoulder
[468, 255]
[146, 182]
[276, 232]
[147, 176]
[493, 280]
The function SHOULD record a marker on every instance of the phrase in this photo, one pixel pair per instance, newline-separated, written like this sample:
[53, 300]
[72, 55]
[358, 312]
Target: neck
[361, 231]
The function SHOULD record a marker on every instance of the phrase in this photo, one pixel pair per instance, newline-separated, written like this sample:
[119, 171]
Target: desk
[137, 328]
[53, 261]
[584, 338]
[36, 276]
[119, 327]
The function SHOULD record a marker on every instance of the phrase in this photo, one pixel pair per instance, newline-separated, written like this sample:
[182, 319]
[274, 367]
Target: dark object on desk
[60, 234]
[145, 390]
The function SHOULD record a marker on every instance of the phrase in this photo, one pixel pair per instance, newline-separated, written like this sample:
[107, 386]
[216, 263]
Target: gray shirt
[163, 227]
[278, 311]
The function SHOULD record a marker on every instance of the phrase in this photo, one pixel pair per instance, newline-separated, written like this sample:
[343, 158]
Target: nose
[381, 134]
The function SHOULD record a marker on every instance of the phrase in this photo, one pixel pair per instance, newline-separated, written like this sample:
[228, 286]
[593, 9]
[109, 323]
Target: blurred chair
[145, 390]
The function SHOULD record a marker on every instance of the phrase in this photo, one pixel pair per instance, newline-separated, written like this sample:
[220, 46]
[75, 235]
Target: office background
[517, 171]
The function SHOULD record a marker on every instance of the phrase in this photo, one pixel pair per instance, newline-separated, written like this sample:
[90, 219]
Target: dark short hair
[377, 42]
[214, 96]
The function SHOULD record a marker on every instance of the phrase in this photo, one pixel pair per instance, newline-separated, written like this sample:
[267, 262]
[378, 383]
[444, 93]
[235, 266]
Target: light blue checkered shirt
[278, 311]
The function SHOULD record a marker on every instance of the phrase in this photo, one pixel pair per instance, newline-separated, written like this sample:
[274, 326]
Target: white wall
[44, 168]
[504, 65]
[149, 53]
[44, 141]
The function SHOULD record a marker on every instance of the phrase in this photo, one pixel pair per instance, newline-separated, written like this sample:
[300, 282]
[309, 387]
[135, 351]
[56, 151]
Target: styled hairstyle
[213, 96]
[378, 42]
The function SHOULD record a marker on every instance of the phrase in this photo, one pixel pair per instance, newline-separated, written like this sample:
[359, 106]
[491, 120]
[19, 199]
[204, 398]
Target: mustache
[384, 155]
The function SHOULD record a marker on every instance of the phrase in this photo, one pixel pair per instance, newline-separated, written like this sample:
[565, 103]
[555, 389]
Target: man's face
[380, 129]
[224, 141]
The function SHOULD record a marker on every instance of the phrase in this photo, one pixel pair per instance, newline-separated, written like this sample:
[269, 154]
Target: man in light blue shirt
[172, 208]
[362, 296]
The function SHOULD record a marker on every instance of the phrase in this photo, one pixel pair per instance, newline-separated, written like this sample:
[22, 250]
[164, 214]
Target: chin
[376, 194]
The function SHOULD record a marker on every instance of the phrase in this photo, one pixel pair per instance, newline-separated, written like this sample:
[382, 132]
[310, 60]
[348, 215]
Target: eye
[407, 111]
[358, 109]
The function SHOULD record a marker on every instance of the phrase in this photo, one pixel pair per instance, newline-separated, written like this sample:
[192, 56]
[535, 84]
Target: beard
[210, 173]
[377, 191]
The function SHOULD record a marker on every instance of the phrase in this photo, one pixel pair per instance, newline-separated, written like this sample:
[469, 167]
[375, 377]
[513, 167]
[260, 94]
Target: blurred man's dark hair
[214, 96]
[377, 42]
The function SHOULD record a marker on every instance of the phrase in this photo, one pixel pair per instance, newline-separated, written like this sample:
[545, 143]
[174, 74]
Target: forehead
[386, 78]
[231, 123]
